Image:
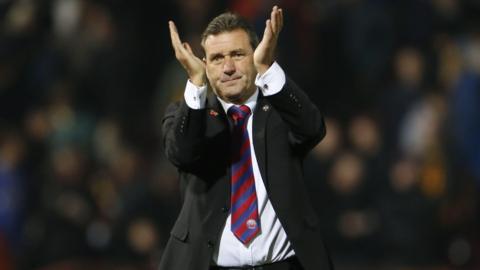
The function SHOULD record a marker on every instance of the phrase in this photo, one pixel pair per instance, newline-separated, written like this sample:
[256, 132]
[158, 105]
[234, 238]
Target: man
[239, 152]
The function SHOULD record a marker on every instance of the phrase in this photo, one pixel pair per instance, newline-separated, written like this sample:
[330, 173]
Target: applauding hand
[194, 66]
[265, 51]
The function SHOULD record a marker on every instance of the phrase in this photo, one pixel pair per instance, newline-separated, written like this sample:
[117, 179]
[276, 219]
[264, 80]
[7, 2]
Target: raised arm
[296, 109]
[264, 54]
[194, 66]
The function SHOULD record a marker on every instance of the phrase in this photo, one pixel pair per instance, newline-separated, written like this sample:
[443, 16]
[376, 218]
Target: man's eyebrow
[213, 55]
[239, 50]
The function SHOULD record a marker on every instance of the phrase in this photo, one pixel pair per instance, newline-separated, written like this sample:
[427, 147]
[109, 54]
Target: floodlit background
[83, 87]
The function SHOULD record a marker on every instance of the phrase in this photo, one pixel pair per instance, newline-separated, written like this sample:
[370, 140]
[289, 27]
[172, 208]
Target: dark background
[84, 83]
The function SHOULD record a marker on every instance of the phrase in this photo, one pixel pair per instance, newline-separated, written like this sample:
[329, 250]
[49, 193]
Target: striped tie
[245, 220]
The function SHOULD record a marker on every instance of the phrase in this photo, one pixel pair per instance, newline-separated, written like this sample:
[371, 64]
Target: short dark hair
[227, 22]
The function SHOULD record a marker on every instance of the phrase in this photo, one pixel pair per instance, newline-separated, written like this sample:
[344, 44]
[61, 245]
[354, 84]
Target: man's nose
[229, 66]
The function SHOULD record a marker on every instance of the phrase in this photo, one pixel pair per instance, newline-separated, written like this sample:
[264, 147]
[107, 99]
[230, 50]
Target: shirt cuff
[195, 96]
[272, 81]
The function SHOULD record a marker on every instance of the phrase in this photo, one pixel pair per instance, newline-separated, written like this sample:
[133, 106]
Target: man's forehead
[227, 40]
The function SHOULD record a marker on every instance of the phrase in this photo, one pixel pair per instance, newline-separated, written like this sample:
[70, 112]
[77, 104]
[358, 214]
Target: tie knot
[239, 113]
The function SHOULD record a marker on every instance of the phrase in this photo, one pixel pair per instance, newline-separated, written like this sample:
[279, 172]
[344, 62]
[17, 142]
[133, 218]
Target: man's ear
[206, 69]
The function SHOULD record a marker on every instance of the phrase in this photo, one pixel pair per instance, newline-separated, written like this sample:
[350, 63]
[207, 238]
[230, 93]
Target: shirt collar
[251, 102]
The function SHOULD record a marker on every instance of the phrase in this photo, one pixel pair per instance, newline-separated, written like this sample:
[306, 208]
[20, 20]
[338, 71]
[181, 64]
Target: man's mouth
[227, 80]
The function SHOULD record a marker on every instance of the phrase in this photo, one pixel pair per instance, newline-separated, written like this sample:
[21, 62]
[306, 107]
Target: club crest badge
[251, 224]
[213, 113]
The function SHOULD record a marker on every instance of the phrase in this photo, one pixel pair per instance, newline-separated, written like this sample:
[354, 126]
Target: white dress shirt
[272, 244]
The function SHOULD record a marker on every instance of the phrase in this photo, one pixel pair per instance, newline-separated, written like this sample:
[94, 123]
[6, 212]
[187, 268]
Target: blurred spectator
[349, 219]
[324, 153]
[404, 91]
[366, 140]
[319, 160]
[465, 106]
[12, 190]
[408, 225]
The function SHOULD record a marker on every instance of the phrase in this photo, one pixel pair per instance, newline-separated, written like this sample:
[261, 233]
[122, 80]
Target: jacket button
[225, 209]
[209, 244]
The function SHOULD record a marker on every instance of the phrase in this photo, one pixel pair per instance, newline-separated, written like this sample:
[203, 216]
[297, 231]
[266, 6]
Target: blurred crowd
[84, 83]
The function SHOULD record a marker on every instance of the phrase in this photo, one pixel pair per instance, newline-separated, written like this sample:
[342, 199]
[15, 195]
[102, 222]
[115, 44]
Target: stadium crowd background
[84, 83]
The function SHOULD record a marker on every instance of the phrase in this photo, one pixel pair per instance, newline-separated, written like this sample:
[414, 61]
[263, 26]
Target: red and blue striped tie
[244, 207]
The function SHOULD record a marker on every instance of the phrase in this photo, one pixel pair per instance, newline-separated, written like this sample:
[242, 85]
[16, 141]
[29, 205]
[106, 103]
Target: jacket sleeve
[183, 135]
[307, 127]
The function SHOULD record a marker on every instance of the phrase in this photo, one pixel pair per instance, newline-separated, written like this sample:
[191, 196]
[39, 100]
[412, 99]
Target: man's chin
[232, 96]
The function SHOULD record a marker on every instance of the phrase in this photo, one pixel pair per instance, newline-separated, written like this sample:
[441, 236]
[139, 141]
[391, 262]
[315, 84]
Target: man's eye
[217, 59]
[238, 56]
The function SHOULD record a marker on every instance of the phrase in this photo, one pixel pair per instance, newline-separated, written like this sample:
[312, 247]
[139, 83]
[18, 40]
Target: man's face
[229, 65]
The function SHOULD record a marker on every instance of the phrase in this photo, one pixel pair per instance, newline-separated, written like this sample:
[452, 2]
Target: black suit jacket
[285, 127]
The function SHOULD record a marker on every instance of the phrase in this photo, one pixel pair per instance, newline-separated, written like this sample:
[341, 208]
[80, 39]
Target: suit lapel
[217, 128]
[262, 112]
[216, 117]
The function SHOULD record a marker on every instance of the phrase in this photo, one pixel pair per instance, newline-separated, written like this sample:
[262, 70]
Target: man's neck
[251, 102]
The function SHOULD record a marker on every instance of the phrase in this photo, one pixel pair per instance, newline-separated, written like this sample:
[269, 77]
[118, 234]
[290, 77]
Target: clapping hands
[263, 56]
